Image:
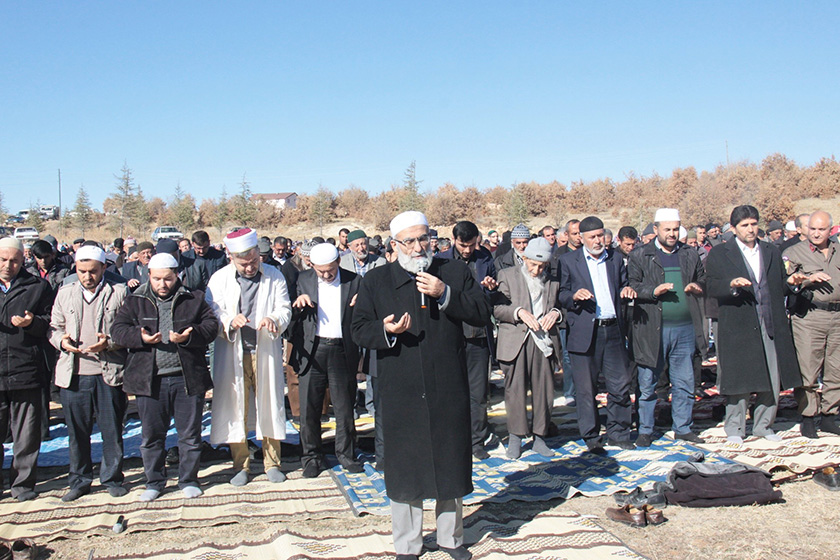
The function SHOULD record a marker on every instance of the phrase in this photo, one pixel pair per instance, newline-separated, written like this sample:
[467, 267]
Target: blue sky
[297, 94]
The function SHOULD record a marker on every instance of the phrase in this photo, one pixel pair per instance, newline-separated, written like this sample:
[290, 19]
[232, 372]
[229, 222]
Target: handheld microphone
[422, 295]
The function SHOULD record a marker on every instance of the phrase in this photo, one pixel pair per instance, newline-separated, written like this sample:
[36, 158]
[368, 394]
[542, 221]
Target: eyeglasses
[409, 242]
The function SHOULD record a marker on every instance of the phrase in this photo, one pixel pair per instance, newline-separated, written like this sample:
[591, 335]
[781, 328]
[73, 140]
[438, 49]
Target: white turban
[162, 260]
[407, 220]
[666, 215]
[241, 240]
[323, 253]
[683, 233]
[90, 253]
[790, 226]
[11, 243]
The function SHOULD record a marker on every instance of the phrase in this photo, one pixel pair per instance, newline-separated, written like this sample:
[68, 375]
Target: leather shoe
[311, 470]
[690, 437]
[23, 549]
[628, 515]
[622, 444]
[460, 553]
[828, 424]
[353, 467]
[480, 453]
[596, 446]
[653, 516]
[75, 493]
[808, 427]
[828, 478]
[644, 440]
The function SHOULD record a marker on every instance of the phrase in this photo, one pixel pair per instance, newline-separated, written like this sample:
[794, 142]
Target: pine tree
[4, 214]
[34, 219]
[411, 198]
[517, 208]
[243, 211]
[82, 212]
[139, 212]
[123, 199]
[221, 215]
[321, 207]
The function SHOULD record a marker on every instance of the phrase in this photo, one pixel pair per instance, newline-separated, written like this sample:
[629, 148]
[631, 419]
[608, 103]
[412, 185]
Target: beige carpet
[794, 455]
[47, 517]
[548, 536]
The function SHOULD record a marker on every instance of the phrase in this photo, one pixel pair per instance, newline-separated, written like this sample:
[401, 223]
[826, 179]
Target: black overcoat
[742, 366]
[421, 379]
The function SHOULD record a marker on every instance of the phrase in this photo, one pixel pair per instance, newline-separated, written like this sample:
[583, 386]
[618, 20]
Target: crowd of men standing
[426, 319]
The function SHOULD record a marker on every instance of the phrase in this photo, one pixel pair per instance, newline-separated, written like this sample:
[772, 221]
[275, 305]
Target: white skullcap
[90, 253]
[667, 215]
[683, 233]
[790, 226]
[241, 240]
[538, 249]
[163, 260]
[407, 220]
[11, 243]
[323, 253]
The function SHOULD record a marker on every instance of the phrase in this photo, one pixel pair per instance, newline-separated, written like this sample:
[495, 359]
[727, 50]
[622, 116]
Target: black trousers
[90, 399]
[169, 399]
[329, 369]
[607, 355]
[20, 411]
[478, 376]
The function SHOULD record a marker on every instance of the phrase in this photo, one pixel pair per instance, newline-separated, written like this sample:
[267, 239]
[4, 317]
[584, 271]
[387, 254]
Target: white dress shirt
[604, 308]
[329, 308]
[753, 258]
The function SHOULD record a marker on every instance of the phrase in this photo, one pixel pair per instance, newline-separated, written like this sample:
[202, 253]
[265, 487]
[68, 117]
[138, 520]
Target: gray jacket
[67, 319]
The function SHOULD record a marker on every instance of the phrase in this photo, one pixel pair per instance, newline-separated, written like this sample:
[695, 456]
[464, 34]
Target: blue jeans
[677, 348]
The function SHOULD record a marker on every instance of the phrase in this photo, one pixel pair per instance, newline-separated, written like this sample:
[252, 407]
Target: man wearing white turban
[252, 304]
[412, 312]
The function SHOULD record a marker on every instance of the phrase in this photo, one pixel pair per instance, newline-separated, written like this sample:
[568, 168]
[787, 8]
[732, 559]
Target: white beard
[414, 264]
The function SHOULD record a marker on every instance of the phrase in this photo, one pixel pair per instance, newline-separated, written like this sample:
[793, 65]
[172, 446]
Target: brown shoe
[653, 516]
[627, 515]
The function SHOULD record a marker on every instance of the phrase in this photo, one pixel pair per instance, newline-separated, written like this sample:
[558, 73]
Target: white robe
[227, 420]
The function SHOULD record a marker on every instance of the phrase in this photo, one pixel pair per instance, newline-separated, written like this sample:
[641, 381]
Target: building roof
[275, 196]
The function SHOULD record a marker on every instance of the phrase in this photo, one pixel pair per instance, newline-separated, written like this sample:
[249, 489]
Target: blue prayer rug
[573, 470]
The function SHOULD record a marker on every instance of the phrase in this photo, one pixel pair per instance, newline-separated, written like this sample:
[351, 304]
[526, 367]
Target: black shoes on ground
[808, 427]
[626, 445]
[460, 553]
[644, 440]
[690, 437]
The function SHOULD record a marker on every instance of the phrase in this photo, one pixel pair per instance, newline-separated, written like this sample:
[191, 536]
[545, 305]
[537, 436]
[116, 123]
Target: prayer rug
[47, 517]
[548, 535]
[533, 478]
[794, 456]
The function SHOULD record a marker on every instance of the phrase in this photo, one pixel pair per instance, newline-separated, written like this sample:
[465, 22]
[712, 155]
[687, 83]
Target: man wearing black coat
[755, 345]
[203, 251]
[324, 355]
[25, 305]
[412, 312]
[167, 329]
[593, 282]
[668, 279]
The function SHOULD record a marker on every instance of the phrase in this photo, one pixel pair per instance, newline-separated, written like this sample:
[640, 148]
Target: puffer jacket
[67, 319]
[23, 363]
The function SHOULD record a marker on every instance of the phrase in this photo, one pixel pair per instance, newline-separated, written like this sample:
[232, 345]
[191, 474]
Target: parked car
[15, 220]
[5, 232]
[166, 232]
[26, 233]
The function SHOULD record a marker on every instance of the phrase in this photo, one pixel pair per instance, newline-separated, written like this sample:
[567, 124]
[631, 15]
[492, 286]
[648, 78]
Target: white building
[279, 200]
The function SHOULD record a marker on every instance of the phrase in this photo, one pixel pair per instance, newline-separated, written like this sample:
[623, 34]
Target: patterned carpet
[572, 471]
[793, 456]
[47, 517]
[549, 535]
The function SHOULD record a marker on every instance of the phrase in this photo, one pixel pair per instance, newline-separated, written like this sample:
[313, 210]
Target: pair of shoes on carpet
[690, 437]
[828, 478]
[808, 427]
[638, 497]
[596, 446]
[637, 517]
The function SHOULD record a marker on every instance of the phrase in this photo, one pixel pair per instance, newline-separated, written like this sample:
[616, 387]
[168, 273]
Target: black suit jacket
[580, 315]
[304, 324]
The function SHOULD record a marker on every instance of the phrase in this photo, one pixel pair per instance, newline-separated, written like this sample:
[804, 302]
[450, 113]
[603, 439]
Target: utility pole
[60, 227]
[727, 155]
